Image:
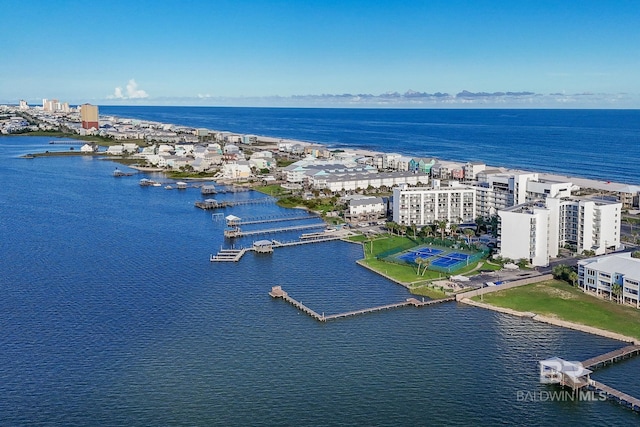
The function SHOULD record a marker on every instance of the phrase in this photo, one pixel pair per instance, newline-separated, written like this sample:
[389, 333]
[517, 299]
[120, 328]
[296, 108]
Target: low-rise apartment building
[600, 275]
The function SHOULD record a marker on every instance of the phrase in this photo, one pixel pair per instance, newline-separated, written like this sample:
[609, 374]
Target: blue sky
[549, 53]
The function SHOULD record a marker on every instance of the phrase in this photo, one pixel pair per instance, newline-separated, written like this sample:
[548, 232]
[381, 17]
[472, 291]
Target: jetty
[278, 292]
[237, 232]
[215, 204]
[612, 357]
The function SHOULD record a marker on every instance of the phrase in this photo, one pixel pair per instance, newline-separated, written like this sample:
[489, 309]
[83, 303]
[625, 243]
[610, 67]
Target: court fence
[392, 256]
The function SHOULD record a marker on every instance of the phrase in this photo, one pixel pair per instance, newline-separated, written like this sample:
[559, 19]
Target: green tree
[454, 229]
[391, 226]
[561, 272]
[468, 233]
[616, 290]
[440, 225]
[573, 277]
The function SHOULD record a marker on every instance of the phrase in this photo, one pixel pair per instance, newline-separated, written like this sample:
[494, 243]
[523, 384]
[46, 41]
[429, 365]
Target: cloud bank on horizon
[132, 92]
[408, 99]
[319, 53]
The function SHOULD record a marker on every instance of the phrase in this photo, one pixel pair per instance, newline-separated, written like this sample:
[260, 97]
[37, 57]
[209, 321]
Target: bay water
[112, 314]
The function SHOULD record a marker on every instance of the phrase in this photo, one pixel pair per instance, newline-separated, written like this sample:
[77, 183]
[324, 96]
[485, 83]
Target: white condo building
[424, 205]
[500, 190]
[536, 230]
[599, 275]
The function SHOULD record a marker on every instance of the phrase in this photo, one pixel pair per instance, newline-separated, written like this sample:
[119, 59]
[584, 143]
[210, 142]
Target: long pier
[214, 204]
[234, 255]
[622, 398]
[239, 233]
[264, 220]
[278, 292]
[612, 357]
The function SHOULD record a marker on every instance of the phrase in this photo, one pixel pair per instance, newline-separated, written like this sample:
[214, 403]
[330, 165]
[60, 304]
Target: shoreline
[582, 182]
[552, 321]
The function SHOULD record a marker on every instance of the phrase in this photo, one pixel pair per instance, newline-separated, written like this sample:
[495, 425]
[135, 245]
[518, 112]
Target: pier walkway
[234, 255]
[278, 292]
[612, 357]
[236, 232]
[214, 204]
[228, 255]
[233, 222]
[616, 395]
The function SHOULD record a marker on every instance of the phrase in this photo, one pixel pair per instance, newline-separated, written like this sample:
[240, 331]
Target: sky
[431, 53]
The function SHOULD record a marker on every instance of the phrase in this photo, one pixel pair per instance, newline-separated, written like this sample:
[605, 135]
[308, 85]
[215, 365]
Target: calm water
[598, 144]
[112, 314]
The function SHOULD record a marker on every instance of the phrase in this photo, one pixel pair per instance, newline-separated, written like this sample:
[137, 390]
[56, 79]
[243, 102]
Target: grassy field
[560, 300]
[274, 190]
[404, 273]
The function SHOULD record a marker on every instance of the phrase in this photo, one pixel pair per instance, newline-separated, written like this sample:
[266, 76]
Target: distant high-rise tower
[89, 116]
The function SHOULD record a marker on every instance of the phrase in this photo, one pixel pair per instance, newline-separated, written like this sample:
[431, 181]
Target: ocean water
[596, 144]
[112, 314]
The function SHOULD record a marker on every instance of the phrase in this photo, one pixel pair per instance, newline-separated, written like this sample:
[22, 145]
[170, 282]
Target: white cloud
[132, 92]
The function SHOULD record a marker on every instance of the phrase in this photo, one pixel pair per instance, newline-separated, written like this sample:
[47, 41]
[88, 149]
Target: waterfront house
[603, 275]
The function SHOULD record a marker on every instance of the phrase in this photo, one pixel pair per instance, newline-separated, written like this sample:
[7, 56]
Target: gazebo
[232, 220]
[563, 372]
[263, 246]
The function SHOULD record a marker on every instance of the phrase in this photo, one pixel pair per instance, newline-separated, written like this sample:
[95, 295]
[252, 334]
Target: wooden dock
[612, 357]
[278, 292]
[234, 255]
[326, 238]
[228, 255]
[236, 232]
[215, 204]
[616, 395]
[264, 220]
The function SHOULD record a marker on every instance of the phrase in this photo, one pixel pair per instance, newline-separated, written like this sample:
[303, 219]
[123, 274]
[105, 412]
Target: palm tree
[469, 232]
[418, 261]
[425, 265]
[616, 290]
[442, 226]
[391, 226]
[454, 229]
[573, 277]
[414, 228]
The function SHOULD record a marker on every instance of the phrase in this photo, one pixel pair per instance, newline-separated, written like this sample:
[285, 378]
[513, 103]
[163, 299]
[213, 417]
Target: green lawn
[560, 300]
[272, 190]
[404, 273]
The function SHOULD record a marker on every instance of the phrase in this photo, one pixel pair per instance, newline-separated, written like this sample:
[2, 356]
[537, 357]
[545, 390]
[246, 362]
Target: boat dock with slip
[214, 204]
[237, 232]
[234, 255]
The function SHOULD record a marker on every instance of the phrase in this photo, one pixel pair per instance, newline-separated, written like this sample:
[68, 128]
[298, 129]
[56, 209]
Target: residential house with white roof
[600, 275]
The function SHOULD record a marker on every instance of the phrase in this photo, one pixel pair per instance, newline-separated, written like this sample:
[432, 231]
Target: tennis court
[450, 259]
[419, 253]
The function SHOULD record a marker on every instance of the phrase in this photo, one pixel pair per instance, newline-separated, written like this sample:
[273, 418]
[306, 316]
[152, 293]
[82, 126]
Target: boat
[118, 173]
[145, 182]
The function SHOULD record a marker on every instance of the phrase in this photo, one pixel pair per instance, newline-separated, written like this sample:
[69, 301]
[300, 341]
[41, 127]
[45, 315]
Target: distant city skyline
[441, 54]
